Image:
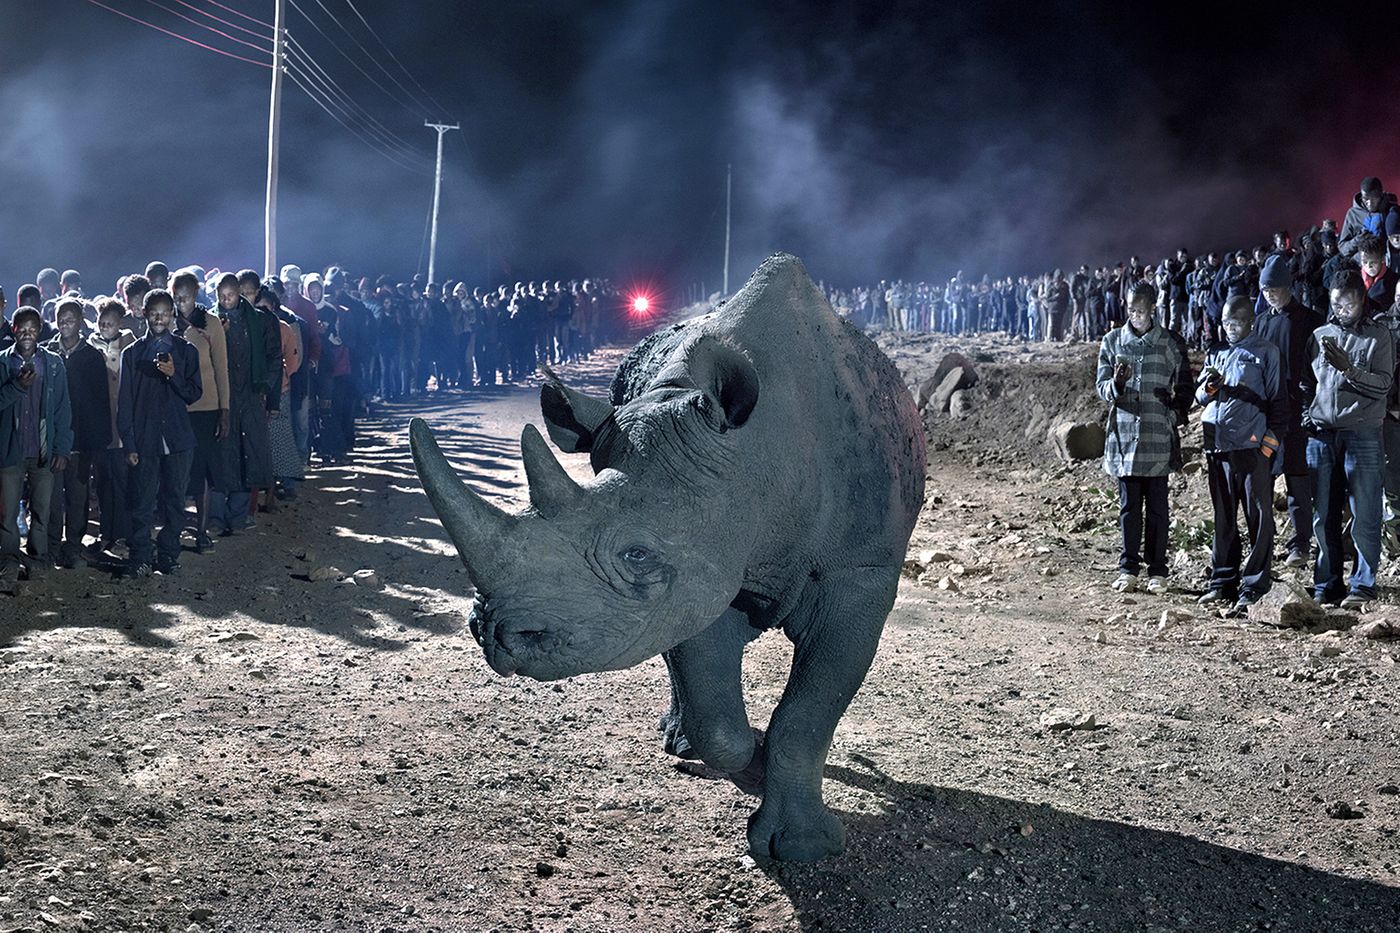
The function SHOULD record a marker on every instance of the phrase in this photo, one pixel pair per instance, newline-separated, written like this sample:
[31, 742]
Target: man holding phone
[36, 438]
[159, 378]
[1346, 387]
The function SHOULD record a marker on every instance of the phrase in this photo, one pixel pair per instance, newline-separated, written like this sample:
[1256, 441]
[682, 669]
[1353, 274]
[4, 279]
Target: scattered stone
[1171, 617]
[951, 363]
[1062, 720]
[367, 578]
[322, 574]
[1341, 810]
[942, 397]
[960, 404]
[949, 584]
[226, 637]
[1287, 605]
[1081, 441]
[544, 869]
[1389, 789]
[1379, 628]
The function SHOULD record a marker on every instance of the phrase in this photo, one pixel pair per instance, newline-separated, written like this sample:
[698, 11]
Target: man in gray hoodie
[1345, 388]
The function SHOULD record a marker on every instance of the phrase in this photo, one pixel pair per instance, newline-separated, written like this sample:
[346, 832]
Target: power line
[346, 55]
[331, 87]
[359, 45]
[385, 47]
[219, 19]
[213, 29]
[348, 107]
[253, 19]
[176, 35]
[367, 140]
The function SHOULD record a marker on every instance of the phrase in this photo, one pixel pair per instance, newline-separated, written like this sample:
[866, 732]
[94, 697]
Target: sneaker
[1296, 559]
[202, 543]
[1157, 585]
[1126, 583]
[140, 571]
[1217, 594]
[1327, 599]
[1354, 601]
[1247, 598]
[167, 567]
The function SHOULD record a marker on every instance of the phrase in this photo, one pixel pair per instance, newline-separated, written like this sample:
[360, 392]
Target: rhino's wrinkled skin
[758, 467]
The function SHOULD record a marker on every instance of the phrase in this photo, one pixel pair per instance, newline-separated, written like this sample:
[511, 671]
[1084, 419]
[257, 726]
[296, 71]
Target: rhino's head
[604, 575]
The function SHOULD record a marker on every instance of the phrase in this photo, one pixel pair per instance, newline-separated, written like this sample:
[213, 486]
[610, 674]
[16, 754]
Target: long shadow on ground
[941, 859]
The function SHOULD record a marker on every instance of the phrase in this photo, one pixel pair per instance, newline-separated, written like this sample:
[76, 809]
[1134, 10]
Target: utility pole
[728, 199]
[274, 136]
[441, 128]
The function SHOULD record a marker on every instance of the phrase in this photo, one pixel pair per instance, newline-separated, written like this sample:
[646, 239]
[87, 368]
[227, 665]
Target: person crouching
[1242, 390]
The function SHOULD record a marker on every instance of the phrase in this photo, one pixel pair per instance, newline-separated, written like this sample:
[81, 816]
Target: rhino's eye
[638, 555]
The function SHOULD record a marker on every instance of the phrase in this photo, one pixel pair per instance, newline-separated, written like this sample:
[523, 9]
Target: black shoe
[1217, 594]
[167, 567]
[1247, 598]
[139, 571]
[1296, 559]
[202, 543]
[1328, 599]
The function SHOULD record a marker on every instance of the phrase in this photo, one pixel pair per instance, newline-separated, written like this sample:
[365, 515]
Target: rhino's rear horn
[477, 528]
[551, 489]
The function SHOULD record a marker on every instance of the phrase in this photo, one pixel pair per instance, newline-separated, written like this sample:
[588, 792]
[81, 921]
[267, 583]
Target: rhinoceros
[757, 467]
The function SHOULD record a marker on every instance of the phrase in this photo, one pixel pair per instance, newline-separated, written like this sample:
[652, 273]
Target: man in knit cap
[1287, 323]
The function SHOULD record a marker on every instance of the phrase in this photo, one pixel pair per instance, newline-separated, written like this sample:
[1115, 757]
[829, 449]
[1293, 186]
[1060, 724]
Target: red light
[641, 304]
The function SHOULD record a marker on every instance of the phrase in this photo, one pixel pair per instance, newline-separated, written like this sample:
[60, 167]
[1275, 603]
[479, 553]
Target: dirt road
[256, 745]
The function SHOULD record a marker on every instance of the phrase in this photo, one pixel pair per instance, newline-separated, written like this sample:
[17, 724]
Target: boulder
[1384, 627]
[960, 404]
[1287, 605]
[1078, 441]
[940, 386]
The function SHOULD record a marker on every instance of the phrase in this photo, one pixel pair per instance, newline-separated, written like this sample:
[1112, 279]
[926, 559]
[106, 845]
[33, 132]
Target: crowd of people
[219, 388]
[1299, 381]
[1190, 292]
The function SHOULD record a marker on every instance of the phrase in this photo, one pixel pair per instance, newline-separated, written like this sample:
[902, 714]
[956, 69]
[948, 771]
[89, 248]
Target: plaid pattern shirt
[1143, 419]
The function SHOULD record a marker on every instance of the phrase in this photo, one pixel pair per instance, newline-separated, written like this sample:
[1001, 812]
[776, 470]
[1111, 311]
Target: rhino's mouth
[514, 644]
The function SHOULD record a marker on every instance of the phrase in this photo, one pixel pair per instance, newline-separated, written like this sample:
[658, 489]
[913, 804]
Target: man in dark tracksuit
[90, 395]
[255, 387]
[1246, 412]
[1288, 324]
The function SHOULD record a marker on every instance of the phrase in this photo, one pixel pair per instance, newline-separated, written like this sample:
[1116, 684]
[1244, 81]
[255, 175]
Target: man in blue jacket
[160, 376]
[1246, 413]
[36, 438]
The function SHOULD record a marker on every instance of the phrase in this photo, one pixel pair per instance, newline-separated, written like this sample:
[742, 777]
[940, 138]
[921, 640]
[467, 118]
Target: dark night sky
[900, 140]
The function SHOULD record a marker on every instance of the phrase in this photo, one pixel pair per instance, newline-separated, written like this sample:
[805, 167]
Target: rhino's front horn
[478, 528]
[551, 489]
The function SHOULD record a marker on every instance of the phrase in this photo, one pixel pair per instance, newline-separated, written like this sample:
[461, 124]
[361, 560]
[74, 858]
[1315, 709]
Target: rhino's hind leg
[707, 719]
[836, 632]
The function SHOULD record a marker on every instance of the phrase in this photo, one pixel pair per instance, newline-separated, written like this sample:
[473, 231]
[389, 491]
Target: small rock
[1389, 789]
[322, 574]
[1171, 617]
[1084, 441]
[1378, 628]
[367, 578]
[1341, 810]
[544, 869]
[1287, 605]
[1061, 720]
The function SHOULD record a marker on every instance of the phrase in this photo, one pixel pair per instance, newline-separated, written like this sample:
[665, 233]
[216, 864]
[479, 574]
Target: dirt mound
[1019, 394]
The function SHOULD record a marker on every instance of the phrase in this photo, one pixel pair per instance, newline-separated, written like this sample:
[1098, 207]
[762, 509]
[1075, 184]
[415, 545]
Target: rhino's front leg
[707, 719]
[836, 632]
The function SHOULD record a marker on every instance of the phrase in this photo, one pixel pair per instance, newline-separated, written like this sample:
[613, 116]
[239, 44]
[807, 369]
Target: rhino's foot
[673, 737]
[803, 831]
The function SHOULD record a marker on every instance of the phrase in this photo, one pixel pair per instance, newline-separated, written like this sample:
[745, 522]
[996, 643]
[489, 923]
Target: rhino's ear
[727, 378]
[572, 418]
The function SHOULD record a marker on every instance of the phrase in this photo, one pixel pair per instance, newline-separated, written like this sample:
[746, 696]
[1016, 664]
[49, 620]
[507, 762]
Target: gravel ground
[262, 744]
